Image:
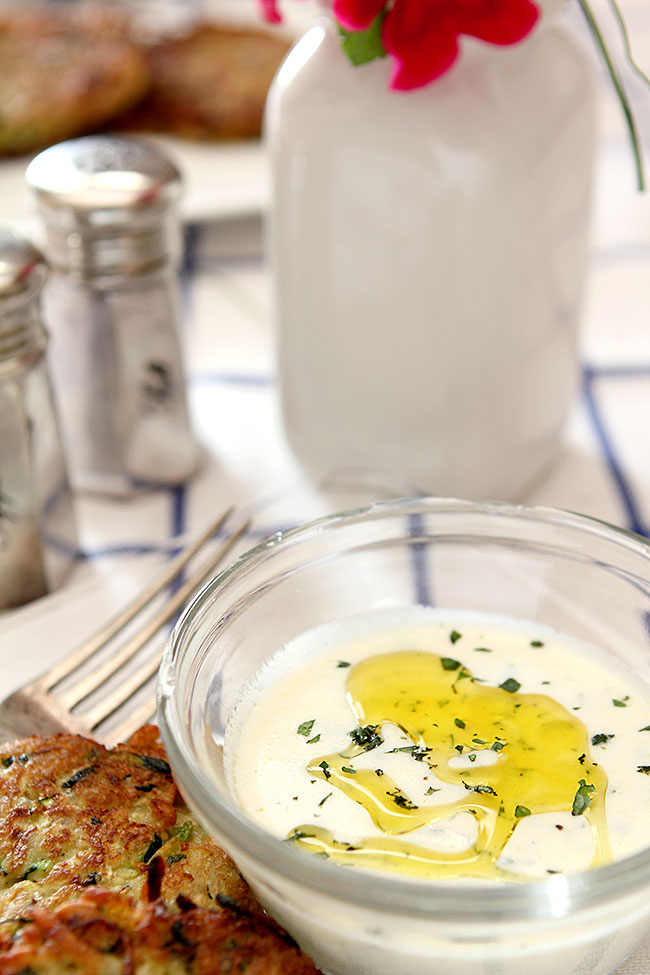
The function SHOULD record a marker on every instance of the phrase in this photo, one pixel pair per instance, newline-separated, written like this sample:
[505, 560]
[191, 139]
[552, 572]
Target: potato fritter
[210, 83]
[74, 815]
[64, 72]
[102, 933]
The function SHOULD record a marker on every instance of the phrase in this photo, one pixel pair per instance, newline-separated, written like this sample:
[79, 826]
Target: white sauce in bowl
[472, 777]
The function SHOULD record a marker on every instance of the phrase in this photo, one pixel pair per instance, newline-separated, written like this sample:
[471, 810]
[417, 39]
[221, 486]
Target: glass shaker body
[112, 304]
[118, 362]
[38, 543]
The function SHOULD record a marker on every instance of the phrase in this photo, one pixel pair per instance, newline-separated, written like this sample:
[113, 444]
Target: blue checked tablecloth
[604, 469]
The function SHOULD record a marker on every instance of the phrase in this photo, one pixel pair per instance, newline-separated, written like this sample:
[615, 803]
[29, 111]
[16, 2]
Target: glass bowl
[581, 577]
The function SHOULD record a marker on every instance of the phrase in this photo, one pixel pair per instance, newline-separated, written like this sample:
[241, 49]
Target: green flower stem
[618, 85]
[616, 10]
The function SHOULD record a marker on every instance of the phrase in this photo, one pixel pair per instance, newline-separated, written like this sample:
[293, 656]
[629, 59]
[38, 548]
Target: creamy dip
[443, 744]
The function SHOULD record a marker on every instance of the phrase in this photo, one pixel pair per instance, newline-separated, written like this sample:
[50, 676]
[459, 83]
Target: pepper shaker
[112, 239]
[37, 530]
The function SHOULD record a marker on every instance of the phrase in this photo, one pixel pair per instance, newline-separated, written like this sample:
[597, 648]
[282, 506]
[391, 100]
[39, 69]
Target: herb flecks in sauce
[546, 766]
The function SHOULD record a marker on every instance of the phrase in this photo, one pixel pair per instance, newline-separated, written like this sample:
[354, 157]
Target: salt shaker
[111, 237]
[37, 530]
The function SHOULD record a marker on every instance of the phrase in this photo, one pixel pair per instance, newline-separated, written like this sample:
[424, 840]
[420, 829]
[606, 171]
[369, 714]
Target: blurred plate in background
[223, 179]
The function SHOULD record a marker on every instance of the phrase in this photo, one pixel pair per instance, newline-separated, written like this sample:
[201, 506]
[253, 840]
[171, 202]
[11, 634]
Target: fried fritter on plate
[210, 83]
[74, 815]
[102, 933]
[104, 872]
[64, 72]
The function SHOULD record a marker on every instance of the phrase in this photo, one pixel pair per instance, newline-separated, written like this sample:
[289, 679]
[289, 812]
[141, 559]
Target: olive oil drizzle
[541, 761]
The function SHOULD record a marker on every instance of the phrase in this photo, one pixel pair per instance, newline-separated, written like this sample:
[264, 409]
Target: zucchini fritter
[75, 815]
[210, 83]
[63, 73]
[103, 934]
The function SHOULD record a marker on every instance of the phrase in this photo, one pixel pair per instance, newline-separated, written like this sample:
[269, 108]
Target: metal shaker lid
[107, 203]
[22, 268]
[22, 273]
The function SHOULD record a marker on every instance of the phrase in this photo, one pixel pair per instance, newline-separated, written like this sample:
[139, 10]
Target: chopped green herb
[152, 849]
[312, 741]
[497, 746]
[454, 636]
[78, 776]
[536, 643]
[39, 865]
[643, 768]
[482, 650]
[521, 811]
[431, 790]
[183, 832]
[485, 789]
[379, 771]
[326, 769]
[459, 749]
[459, 722]
[510, 685]
[478, 741]
[8, 761]
[472, 757]
[462, 674]
[176, 858]
[348, 768]
[305, 727]
[343, 663]
[323, 801]
[367, 737]
[582, 799]
[622, 703]
[297, 834]
[417, 751]
[155, 764]
[600, 739]
[448, 663]
[401, 800]
[647, 728]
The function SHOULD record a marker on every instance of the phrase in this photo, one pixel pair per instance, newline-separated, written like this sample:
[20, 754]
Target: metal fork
[55, 700]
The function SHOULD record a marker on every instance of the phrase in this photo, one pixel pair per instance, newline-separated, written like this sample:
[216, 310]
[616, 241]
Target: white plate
[222, 180]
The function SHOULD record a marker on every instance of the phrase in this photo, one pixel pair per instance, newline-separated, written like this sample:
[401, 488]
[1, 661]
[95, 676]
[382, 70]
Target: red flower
[422, 35]
[270, 11]
[357, 14]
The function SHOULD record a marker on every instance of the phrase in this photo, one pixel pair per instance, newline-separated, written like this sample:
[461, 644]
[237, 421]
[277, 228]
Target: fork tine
[134, 682]
[122, 695]
[83, 653]
[144, 714]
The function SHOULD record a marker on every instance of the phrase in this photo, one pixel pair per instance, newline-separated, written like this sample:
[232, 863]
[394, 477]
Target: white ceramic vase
[429, 253]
